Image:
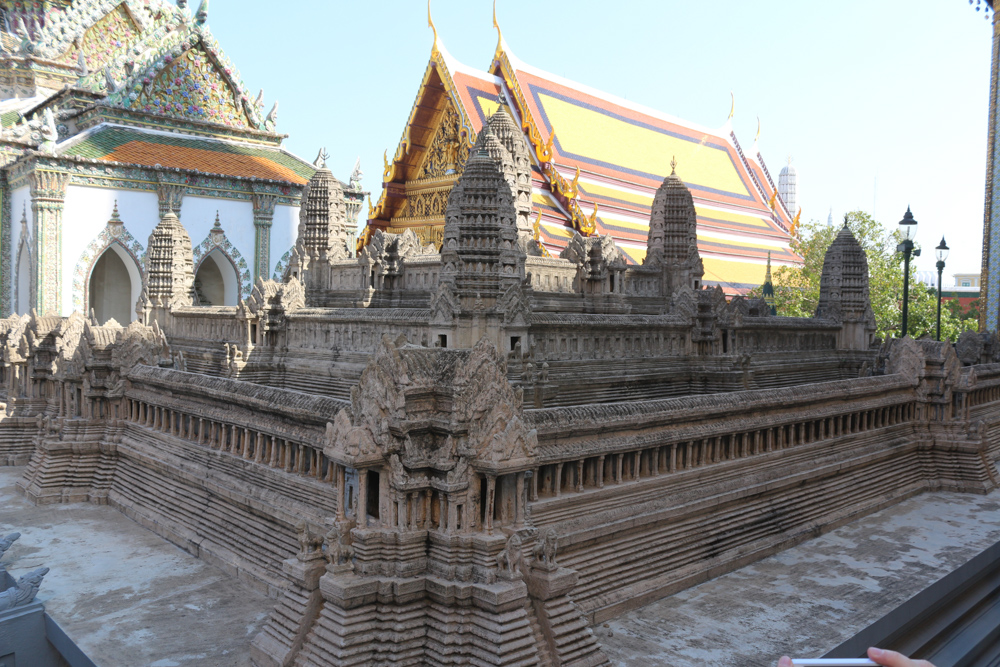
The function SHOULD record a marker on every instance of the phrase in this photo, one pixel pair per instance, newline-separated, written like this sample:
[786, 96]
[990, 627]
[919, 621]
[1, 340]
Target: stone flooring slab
[810, 598]
[125, 595]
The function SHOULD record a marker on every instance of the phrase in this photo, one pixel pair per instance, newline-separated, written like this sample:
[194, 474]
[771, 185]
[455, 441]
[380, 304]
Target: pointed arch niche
[221, 275]
[108, 277]
[22, 288]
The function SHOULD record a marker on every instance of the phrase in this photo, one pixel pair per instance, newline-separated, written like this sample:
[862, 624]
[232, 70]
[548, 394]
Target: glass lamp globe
[941, 252]
[908, 226]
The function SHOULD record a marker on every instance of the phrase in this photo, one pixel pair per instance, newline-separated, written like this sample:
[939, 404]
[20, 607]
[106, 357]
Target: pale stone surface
[125, 595]
[810, 598]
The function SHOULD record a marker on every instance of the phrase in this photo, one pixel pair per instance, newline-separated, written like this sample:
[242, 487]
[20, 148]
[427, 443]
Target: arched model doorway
[216, 283]
[114, 287]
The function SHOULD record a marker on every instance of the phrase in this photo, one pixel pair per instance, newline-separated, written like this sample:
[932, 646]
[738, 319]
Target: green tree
[796, 289]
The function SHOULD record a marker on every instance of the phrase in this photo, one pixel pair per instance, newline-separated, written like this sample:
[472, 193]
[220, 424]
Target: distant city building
[788, 187]
[965, 289]
[829, 218]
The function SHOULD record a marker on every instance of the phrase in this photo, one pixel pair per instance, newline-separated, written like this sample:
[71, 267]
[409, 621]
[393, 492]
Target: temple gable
[105, 41]
[193, 87]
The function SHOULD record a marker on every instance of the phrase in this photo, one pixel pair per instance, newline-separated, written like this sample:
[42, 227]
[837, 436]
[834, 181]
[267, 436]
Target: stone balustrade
[250, 444]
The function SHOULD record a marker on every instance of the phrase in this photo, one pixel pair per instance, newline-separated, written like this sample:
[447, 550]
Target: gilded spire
[497, 25]
[673, 166]
[430, 24]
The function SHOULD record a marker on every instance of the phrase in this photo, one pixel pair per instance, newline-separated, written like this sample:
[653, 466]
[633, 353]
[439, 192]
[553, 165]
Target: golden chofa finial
[673, 165]
[756, 136]
[732, 107]
[430, 24]
[497, 25]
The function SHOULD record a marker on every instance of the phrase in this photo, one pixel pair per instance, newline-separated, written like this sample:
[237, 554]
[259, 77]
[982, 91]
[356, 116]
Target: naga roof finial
[430, 24]
[320, 161]
[202, 15]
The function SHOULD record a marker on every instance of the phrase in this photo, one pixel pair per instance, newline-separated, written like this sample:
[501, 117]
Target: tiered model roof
[597, 161]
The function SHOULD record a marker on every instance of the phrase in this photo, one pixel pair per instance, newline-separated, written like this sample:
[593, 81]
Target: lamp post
[908, 229]
[941, 252]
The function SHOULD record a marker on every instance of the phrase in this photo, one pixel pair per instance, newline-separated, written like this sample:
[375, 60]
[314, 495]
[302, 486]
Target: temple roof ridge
[610, 97]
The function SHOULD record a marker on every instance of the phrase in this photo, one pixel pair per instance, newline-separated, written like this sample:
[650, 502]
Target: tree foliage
[796, 289]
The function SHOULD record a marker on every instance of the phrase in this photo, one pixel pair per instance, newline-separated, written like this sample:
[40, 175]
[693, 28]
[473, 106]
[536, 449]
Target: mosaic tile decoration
[81, 272]
[217, 239]
[279, 268]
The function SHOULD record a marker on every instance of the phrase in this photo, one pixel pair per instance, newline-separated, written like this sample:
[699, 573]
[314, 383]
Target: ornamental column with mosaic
[171, 196]
[263, 216]
[48, 197]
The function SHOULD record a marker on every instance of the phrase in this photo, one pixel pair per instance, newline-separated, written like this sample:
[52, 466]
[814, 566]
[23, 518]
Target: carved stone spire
[510, 135]
[479, 254]
[169, 265]
[843, 290]
[673, 235]
[323, 232]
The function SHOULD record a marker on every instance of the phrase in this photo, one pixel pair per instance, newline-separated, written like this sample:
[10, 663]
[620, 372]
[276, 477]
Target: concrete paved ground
[124, 595]
[810, 598]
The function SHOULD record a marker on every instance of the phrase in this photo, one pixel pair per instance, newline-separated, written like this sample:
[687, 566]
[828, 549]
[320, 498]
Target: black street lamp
[908, 229]
[941, 252]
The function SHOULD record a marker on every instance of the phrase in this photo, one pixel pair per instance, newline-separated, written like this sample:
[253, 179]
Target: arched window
[114, 286]
[23, 305]
[216, 282]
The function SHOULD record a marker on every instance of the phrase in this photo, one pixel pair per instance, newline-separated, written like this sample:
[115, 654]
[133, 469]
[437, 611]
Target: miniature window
[966, 283]
[373, 491]
[442, 340]
[514, 341]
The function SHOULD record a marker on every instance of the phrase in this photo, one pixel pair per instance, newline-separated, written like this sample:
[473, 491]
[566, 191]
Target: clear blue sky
[857, 91]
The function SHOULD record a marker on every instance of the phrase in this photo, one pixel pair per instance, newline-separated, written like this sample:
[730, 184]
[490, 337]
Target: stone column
[263, 215]
[362, 513]
[600, 471]
[579, 476]
[491, 490]
[557, 480]
[522, 500]
[48, 196]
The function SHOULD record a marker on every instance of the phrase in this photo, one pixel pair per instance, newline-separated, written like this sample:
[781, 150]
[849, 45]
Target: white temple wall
[20, 201]
[235, 217]
[86, 214]
[284, 231]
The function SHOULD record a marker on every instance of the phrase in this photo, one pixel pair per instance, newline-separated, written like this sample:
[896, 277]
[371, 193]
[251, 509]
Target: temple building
[115, 113]
[990, 291]
[594, 164]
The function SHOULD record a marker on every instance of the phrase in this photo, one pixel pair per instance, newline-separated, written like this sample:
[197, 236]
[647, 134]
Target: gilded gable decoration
[448, 152]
